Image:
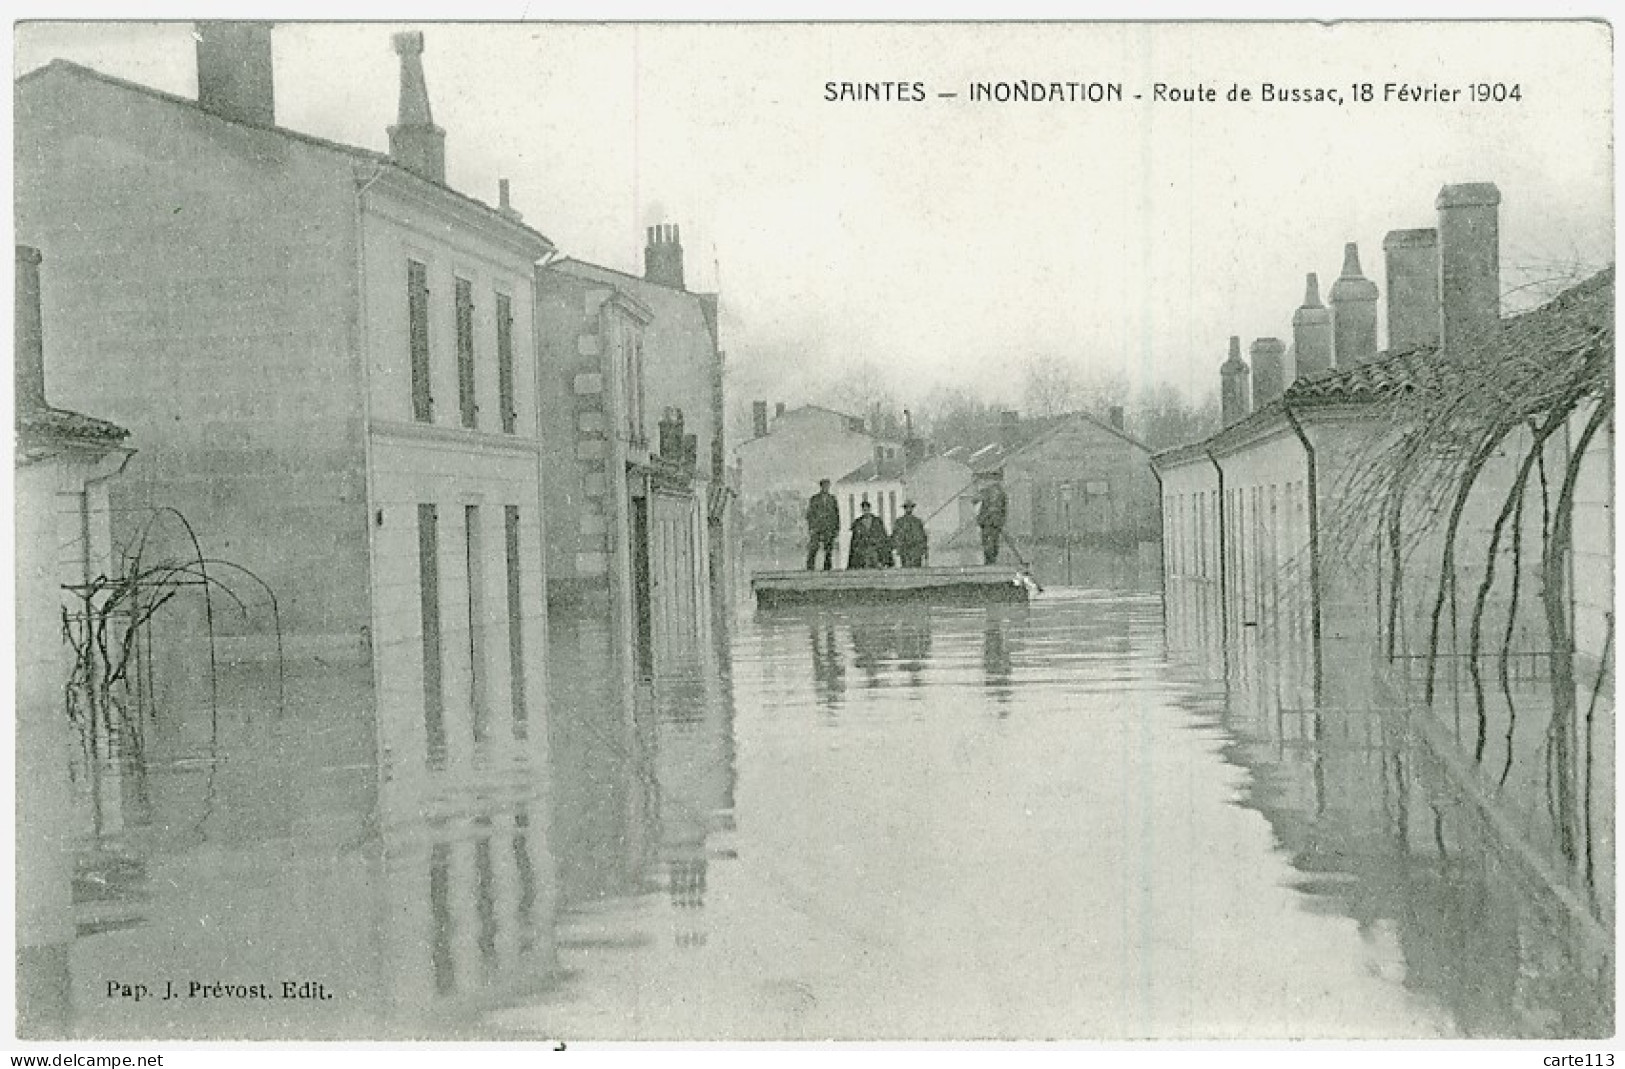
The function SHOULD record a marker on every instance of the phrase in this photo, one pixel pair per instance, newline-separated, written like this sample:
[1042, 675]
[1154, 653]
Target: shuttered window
[510, 415]
[434, 705]
[417, 314]
[465, 354]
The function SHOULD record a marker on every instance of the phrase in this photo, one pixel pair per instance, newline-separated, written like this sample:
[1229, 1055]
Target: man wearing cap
[908, 535]
[823, 525]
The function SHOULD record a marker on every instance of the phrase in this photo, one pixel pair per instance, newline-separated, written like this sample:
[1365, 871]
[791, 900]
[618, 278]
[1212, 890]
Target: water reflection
[1392, 824]
[265, 850]
[1096, 814]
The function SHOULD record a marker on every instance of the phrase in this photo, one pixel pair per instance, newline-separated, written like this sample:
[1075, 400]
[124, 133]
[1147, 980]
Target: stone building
[328, 356]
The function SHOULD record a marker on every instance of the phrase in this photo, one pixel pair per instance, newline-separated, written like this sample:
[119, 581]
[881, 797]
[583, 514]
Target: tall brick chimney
[1412, 261]
[1233, 374]
[1114, 416]
[415, 142]
[234, 78]
[663, 256]
[1354, 313]
[1469, 261]
[1269, 370]
[1312, 331]
[758, 419]
[30, 333]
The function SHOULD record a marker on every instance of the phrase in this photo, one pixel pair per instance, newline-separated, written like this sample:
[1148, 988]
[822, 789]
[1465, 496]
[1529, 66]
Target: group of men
[906, 544]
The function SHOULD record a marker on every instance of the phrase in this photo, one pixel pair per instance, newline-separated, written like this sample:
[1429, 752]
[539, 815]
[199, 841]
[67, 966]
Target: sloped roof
[985, 454]
[890, 469]
[381, 159]
[1580, 316]
[35, 423]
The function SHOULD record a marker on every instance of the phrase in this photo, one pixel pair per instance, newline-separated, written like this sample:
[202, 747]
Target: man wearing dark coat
[871, 546]
[823, 525]
[908, 535]
[991, 507]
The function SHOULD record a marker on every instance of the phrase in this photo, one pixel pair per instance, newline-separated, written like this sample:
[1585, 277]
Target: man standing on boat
[871, 546]
[991, 507]
[823, 525]
[908, 535]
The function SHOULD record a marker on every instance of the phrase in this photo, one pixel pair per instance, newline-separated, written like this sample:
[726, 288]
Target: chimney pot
[1354, 313]
[234, 71]
[758, 419]
[1469, 262]
[1269, 370]
[663, 257]
[415, 142]
[1233, 393]
[1114, 416]
[1312, 347]
[1412, 266]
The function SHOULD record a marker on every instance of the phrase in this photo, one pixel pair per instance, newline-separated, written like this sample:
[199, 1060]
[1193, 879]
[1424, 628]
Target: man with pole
[991, 506]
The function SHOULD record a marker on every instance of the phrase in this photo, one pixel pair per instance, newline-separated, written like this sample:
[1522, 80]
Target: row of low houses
[1072, 480]
[385, 438]
[1366, 502]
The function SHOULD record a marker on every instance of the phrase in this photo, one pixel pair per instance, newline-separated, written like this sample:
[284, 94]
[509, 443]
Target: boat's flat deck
[978, 583]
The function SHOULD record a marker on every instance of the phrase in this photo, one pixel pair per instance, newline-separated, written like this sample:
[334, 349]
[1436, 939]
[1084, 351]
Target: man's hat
[823, 482]
[866, 505]
[908, 504]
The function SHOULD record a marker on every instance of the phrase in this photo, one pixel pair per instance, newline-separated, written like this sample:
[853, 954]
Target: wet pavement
[1026, 822]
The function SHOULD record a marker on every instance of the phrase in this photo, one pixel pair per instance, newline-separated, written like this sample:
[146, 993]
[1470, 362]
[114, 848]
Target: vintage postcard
[883, 531]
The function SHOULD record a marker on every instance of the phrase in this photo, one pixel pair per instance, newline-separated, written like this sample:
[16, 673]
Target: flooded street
[1019, 821]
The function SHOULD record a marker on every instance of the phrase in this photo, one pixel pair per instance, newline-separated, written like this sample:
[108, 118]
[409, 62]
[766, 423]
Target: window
[516, 633]
[505, 391]
[434, 707]
[417, 331]
[465, 354]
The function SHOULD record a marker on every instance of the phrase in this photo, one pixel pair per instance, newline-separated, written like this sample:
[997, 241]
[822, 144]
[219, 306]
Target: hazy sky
[948, 241]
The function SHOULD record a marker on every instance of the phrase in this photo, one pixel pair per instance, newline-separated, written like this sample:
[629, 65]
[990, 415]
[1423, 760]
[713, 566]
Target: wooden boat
[977, 584]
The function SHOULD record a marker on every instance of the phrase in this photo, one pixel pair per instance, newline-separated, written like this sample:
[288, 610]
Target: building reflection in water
[643, 795]
[1384, 831]
[398, 901]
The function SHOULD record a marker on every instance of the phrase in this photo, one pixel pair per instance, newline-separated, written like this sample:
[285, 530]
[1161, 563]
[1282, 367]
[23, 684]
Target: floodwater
[884, 822]
[893, 822]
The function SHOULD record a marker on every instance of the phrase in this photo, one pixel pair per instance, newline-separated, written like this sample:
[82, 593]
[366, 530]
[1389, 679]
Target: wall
[200, 289]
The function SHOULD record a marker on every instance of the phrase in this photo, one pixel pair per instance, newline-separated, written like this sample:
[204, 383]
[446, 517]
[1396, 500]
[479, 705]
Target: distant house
[781, 464]
[936, 484]
[1073, 479]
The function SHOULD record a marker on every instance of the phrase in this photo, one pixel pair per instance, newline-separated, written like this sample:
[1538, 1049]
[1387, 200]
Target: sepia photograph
[887, 532]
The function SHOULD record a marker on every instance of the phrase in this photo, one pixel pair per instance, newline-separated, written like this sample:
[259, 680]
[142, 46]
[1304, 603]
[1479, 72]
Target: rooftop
[382, 159]
[1569, 325]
